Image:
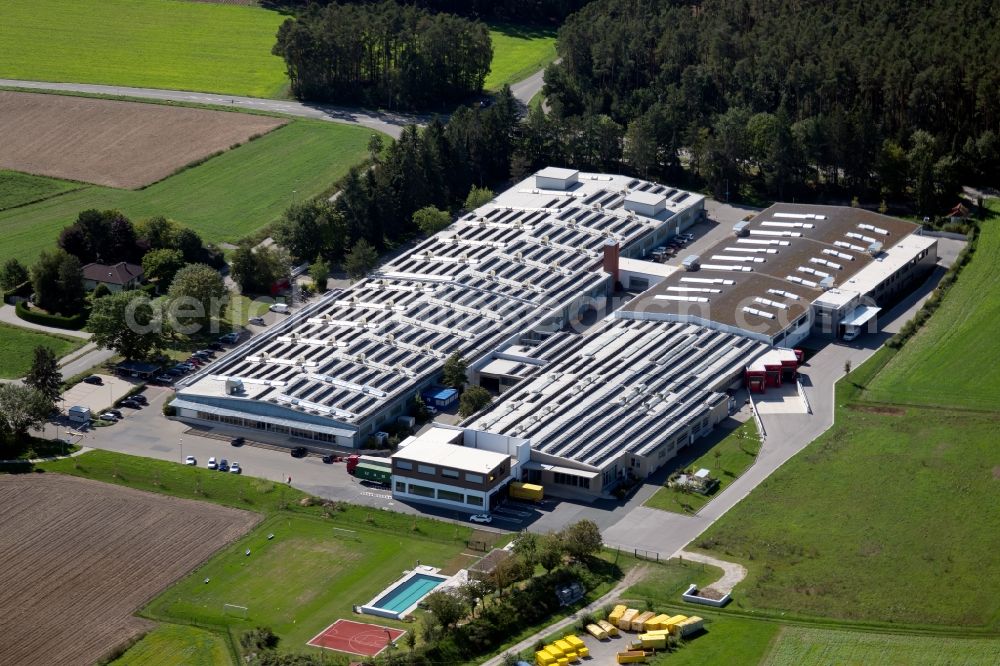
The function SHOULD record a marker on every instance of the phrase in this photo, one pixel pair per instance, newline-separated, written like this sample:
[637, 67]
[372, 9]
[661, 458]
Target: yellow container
[672, 623]
[543, 658]
[690, 625]
[639, 621]
[527, 491]
[574, 641]
[612, 629]
[583, 651]
[656, 622]
[568, 650]
[632, 657]
[554, 651]
[625, 623]
[597, 632]
[615, 616]
[657, 641]
[563, 662]
[659, 632]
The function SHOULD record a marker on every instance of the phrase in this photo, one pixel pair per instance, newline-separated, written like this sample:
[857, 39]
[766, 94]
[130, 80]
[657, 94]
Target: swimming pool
[408, 592]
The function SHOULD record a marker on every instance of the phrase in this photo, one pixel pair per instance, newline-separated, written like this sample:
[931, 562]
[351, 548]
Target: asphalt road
[383, 121]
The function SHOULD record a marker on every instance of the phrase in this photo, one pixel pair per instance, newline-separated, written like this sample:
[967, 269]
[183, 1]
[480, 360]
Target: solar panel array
[627, 387]
[493, 273]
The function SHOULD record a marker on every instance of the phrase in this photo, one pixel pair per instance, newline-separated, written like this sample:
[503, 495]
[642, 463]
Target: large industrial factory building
[581, 408]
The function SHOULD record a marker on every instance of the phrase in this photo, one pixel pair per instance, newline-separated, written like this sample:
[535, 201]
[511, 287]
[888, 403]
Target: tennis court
[356, 637]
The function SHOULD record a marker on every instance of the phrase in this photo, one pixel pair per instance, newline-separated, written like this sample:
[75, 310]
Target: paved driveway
[97, 397]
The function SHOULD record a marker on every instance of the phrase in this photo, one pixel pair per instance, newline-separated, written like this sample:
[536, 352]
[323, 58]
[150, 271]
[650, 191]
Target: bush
[169, 409]
[74, 323]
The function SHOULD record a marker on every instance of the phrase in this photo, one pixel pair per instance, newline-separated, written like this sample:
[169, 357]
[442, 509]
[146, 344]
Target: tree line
[443, 167]
[519, 11]
[879, 99]
[384, 54]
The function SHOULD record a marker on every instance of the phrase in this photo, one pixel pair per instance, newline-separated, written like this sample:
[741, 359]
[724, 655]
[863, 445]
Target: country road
[383, 121]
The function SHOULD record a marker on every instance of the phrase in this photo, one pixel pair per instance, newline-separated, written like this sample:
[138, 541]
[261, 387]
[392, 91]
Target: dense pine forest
[517, 11]
[879, 99]
[385, 55]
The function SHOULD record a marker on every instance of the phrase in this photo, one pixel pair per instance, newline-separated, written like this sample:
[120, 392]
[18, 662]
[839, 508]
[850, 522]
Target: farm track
[79, 557]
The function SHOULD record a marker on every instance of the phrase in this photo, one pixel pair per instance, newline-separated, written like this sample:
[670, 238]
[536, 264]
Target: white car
[212, 464]
[481, 518]
[108, 416]
[190, 460]
[235, 468]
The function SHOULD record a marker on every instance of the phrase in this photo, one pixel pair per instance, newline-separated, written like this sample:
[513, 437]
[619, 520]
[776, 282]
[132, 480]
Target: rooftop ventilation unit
[826, 284]
[741, 229]
[692, 262]
[782, 292]
[759, 313]
[875, 249]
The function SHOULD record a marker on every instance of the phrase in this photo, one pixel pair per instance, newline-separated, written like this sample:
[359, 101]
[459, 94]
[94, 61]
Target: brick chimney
[611, 255]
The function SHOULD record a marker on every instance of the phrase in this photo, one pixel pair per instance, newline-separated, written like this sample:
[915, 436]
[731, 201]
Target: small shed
[440, 397]
[79, 414]
[136, 369]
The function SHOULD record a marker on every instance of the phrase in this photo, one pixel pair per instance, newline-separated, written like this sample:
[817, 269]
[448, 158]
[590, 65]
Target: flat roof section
[645, 198]
[623, 387]
[454, 456]
[500, 270]
[557, 173]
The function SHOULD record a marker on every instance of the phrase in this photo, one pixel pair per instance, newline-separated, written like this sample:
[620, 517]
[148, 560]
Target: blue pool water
[407, 593]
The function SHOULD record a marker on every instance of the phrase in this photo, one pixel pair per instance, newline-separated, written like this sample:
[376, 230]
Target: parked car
[212, 464]
[194, 360]
[163, 379]
[257, 321]
[481, 518]
[280, 308]
[223, 465]
[116, 413]
[205, 352]
[140, 398]
[299, 452]
[130, 403]
[328, 459]
[108, 416]
[229, 338]
[235, 468]
[237, 441]
[216, 346]
[93, 379]
[173, 373]
[187, 367]
[190, 460]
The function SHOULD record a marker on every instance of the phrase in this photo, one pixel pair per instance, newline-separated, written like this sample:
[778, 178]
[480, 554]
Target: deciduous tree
[360, 260]
[197, 295]
[44, 375]
[473, 399]
[127, 322]
[12, 274]
[22, 408]
[454, 371]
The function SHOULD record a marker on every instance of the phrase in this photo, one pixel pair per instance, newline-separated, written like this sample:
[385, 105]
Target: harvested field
[79, 557]
[113, 143]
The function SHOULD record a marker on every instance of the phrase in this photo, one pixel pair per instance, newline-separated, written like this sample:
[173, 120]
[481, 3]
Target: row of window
[441, 494]
[269, 427]
[570, 480]
[432, 471]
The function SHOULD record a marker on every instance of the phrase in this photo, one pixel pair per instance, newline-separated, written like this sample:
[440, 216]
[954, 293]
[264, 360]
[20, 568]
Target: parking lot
[97, 397]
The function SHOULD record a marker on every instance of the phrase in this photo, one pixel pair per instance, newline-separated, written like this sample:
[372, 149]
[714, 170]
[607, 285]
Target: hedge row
[23, 290]
[74, 323]
[910, 328]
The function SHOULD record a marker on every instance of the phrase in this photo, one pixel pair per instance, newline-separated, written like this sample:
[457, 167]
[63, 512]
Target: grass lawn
[726, 460]
[320, 562]
[518, 52]
[890, 516]
[727, 640]
[798, 645]
[18, 189]
[203, 46]
[223, 199]
[18, 345]
[242, 308]
[173, 644]
[954, 361]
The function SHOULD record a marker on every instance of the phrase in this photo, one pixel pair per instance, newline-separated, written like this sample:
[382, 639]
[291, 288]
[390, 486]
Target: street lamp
[180, 440]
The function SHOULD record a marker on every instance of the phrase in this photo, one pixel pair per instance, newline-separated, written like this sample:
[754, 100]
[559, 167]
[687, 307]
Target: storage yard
[80, 557]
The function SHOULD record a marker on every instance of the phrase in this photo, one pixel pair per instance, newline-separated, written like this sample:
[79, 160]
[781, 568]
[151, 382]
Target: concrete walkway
[8, 315]
[35, 461]
[616, 592]
[733, 573]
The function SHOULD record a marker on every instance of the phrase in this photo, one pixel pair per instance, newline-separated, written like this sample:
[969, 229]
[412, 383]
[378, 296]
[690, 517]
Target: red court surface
[356, 637]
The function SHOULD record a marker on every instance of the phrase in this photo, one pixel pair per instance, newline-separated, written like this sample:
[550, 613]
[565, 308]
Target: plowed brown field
[107, 142]
[79, 557]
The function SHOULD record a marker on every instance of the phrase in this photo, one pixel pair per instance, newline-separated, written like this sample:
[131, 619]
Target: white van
[280, 308]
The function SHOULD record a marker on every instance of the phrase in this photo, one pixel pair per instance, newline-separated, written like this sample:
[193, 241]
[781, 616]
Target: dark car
[328, 459]
[117, 413]
[140, 398]
[174, 372]
[238, 441]
[131, 404]
[229, 338]
[163, 379]
[299, 452]
[205, 352]
[93, 379]
[223, 465]
[216, 346]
